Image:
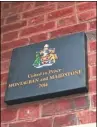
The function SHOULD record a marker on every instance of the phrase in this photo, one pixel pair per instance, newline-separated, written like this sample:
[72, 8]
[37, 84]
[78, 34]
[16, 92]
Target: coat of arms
[45, 57]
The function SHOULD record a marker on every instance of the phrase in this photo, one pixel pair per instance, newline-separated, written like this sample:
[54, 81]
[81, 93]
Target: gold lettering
[65, 74]
[37, 80]
[43, 85]
[28, 75]
[30, 81]
[44, 79]
[21, 83]
[53, 74]
[25, 82]
[11, 85]
[60, 75]
[51, 77]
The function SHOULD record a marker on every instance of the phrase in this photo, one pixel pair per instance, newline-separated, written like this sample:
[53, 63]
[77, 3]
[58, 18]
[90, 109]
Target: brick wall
[24, 23]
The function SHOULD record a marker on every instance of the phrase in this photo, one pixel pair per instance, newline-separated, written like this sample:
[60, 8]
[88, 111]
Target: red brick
[92, 59]
[14, 4]
[89, 72]
[67, 21]
[12, 19]
[6, 55]
[60, 13]
[92, 25]
[29, 112]
[6, 5]
[14, 44]
[44, 122]
[41, 3]
[65, 4]
[8, 115]
[4, 125]
[39, 11]
[10, 36]
[14, 26]
[66, 120]
[86, 116]
[12, 11]
[38, 28]
[94, 71]
[70, 29]
[92, 86]
[87, 15]
[93, 99]
[3, 104]
[86, 6]
[4, 77]
[5, 66]
[80, 2]
[36, 20]
[81, 102]
[39, 38]
[3, 88]
[2, 21]
[28, 5]
[56, 107]
[92, 46]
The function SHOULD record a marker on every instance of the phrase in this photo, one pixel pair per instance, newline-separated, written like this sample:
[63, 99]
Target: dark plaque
[49, 69]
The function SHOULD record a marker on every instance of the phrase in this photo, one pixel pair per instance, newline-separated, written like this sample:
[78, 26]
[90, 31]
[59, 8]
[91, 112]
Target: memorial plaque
[52, 68]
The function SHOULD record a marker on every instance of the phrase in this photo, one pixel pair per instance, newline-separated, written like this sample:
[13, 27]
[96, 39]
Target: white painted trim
[84, 125]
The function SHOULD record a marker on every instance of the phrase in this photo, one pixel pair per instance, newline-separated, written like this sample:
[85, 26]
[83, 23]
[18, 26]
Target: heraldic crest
[45, 57]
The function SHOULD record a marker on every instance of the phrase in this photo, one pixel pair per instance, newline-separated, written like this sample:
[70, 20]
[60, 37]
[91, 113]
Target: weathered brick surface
[36, 20]
[27, 6]
[87, 15]
[57, 107]
[2, 21]
[3, 105]
[39, 11]
[92, 59]
[91, 36]
[92, 46]
[37, 123]
[85, 117]
[94, 71]
[4, 78]
[94, 100]
[39, 37]
[6, 55]
[69, 29]
[24, 23]
[60, 13]
[66, 120]
[14, 26]
[92, 86]
[4, 125]
[5, 66]
[29, 112]
[10, 36]
[41, 3]
[14, 44]
[64, 4]
[6, 5]
[67, 21]
[86, 6]
[92, 25]
[38, 28]
[3, 88]
[11, 115]
[13, 19]
[81, 102]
